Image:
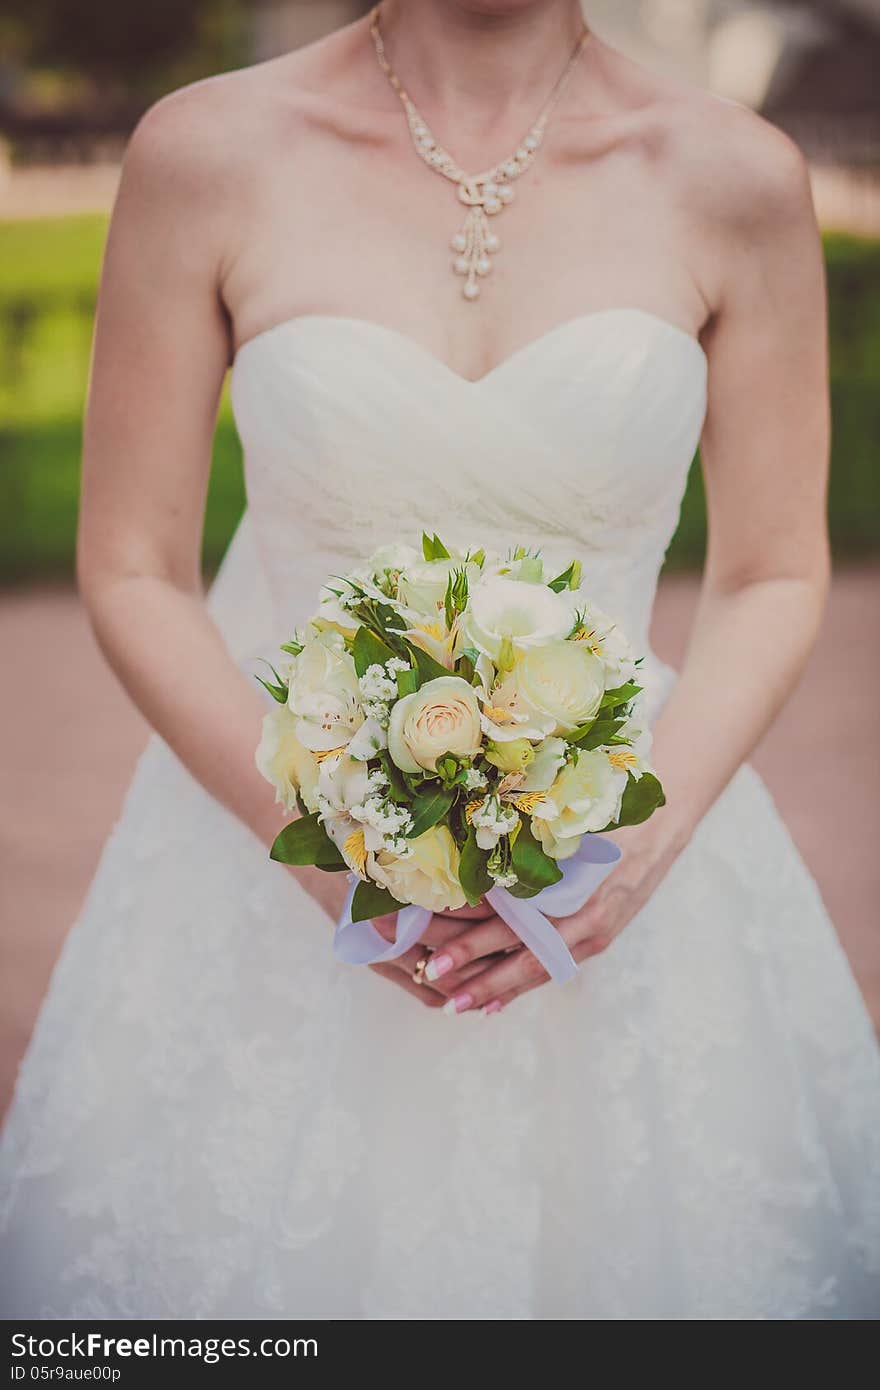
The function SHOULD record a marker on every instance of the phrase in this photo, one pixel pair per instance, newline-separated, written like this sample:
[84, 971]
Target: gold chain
[486, 194]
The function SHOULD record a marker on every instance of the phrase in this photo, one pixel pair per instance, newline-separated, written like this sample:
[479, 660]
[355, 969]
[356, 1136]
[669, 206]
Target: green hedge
[48, 275]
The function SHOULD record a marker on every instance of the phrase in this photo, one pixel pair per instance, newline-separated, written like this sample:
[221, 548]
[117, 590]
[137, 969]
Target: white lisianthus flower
[285, 762]
[584, 798]
[426, 875]
[442, 717]
[605, 640]
[324, 694]
[528, 615]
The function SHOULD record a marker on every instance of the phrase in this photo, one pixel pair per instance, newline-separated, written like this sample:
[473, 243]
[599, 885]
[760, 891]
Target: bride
[215, 1118]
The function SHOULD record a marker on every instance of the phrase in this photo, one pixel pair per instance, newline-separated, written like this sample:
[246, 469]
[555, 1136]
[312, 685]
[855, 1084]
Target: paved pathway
[69, 739]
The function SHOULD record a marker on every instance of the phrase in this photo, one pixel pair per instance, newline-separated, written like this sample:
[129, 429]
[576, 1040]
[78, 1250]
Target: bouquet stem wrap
[359, 943]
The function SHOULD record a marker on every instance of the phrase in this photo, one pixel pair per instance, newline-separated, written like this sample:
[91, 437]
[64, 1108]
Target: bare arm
[764, 454]
[160, 355]
[764, 451]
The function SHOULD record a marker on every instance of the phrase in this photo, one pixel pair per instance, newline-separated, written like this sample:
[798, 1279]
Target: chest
[367, 229]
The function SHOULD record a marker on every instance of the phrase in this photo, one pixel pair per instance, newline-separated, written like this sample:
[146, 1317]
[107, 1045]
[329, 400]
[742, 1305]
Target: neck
[497, 56]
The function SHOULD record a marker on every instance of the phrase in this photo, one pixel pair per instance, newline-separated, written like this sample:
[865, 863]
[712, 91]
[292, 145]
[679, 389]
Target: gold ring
[419, 972]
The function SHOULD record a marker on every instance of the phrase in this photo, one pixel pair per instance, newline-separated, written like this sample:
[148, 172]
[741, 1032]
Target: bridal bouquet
[453, 726]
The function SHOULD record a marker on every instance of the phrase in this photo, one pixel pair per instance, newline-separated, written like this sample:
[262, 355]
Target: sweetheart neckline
[412, 344]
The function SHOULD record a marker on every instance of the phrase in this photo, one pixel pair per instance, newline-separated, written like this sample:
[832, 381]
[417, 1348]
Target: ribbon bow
[359, 943]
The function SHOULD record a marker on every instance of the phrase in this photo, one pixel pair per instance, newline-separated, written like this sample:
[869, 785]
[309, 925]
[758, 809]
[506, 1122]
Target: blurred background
[75, 75]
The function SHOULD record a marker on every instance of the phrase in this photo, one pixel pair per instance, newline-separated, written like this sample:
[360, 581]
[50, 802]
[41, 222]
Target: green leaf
[534, 869]
[292, 648]
[429, 807]
[278, 692]
[562, 580]
[473, 874]
[640, 799]
[433, 548]
[369, 650]
[428, 668]
[621, 695]
[397, 789]
[305, 841]
[370, 900]
[594, 734]
[407, 683]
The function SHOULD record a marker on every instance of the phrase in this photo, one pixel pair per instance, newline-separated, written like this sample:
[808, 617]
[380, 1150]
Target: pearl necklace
[486, 194]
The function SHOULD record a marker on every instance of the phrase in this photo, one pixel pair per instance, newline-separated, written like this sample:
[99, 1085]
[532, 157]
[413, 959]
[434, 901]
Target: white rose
[285, 762]
[527, 614]
[585, 797]
[442, 717]
[604, 638]
[427, 875]
[324, 694]
[551, 690]
[562, 680]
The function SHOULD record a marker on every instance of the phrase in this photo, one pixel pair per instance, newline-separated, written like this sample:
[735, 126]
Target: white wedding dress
[217, 1119]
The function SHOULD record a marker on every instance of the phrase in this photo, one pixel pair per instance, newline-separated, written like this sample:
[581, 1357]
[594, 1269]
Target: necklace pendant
[484, 195]
[476, 243]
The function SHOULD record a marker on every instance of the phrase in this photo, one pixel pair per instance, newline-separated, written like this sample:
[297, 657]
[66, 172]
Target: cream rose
[525, 614]
[551, 690]
[427, 876]
[585, 797]
[324, 694]
[285, 762]
[442, 717]
[562, 680]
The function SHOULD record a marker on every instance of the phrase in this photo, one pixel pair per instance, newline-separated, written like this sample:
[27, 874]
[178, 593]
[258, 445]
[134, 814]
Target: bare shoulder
[208, 136]
[738, 169]
[729, 164]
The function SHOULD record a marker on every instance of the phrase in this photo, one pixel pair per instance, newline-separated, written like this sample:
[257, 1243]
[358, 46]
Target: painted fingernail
[458, 1004]
[493, 1007]
[437, 966]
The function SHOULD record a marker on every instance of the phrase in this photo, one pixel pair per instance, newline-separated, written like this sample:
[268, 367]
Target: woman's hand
[442, 929]
[461, 970]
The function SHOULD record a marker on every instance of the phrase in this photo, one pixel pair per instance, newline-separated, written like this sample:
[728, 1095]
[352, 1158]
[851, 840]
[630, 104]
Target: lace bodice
[579, 444]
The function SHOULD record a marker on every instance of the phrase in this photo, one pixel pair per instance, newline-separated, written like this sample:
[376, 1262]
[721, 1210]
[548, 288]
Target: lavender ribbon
[358, 943]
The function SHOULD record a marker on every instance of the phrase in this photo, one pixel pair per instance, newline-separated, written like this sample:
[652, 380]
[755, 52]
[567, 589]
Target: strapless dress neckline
[593, 319]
